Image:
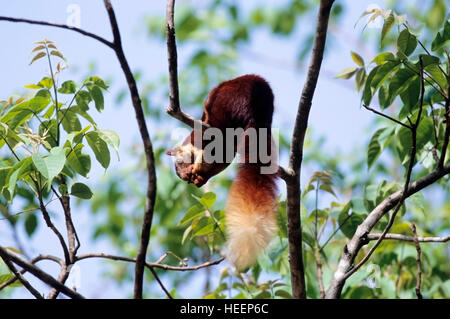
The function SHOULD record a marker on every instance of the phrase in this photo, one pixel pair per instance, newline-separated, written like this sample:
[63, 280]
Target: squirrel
[246, 103]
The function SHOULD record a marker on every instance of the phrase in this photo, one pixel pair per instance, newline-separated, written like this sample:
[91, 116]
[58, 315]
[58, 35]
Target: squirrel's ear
[172, 151]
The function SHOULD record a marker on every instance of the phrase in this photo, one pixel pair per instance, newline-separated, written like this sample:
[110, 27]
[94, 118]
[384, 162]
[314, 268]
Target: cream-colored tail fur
[251, 216]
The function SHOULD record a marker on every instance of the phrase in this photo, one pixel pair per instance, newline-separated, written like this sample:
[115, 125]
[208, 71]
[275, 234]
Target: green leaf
[404, 141]
[50, 129]
[81, 190]
[442, 37]
[14, 250]
[77, 109]
[31, 223]
[400, 19]
[436, 75]
[383, 73]
[83, 98]
[206, 229]
[383, 97]
[208, 199]
[38, 56]
[399, 83]
[348, 224]
[23, 111]
[347, 73]
[63, 188]
[384, 57]
[13, 179]
[97, 81]
[4, 172]
[410, 96]
[111, 138]
[46, 82]
[327, 188]
[406, 42]
[357, 58]
[374, 149]
[49, 113]
[51, 165]
[39, 47]
[40, 164]
[186, 234]
[97, 96]
[69, 120]
[282, 219]
[68, 87]
[429, 59]
[58, 54]
[193, 212]
[80, 163]
[387, 287]
[55, 163]
[367, 92]
[99, 148]
[283, 294]
[19, 170]
[360, 78]
[33, 86]
[387, 25]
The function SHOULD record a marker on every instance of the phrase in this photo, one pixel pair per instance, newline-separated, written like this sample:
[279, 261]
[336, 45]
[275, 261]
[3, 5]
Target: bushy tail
[250, 215]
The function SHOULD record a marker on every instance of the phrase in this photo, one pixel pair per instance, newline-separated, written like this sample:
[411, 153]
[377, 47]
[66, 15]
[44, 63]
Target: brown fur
[244, 102]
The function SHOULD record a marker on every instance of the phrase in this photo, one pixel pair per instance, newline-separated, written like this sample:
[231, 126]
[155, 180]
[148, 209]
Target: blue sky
[335, 114]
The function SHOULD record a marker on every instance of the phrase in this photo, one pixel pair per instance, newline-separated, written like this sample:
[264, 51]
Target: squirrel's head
[190, 164]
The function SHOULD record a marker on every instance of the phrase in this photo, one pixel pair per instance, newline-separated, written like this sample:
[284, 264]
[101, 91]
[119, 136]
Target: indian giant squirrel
[244, 102]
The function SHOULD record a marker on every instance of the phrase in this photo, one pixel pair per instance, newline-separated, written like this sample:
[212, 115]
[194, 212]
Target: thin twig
[419, 263]
[46, 278]
[57, 25]
[335, 231]
[409, 238]
[447, 131]
[160, 283]
[174, 108]
[153, 264]
[26, 210]
[50, 225]
[156, 264]
[386, 116]
[33, 261]
[319, 270]
[19, 277]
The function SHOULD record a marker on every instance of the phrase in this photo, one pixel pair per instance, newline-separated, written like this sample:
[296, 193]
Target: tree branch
[19, 277]
[50, 224]
[319, 270]
[342, 273]
[386, 116]
[409, 238]
[151, 266]
[63, 26]
[33, 261]
[174, 109]
[49, 280]
[148, 149]
[296, 153]
[154, 264]
[419, 263]
[359, 239]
